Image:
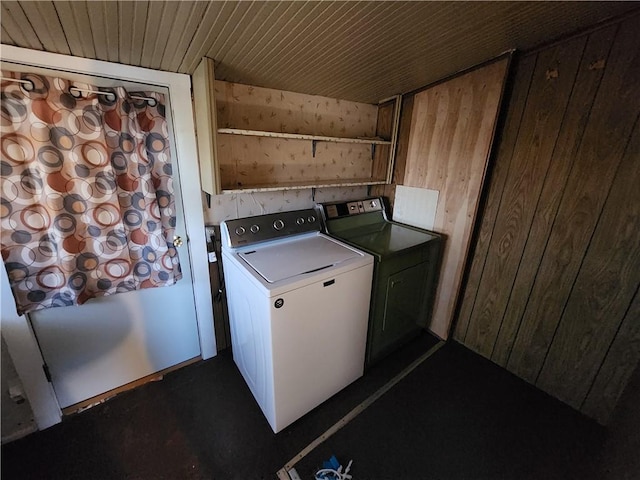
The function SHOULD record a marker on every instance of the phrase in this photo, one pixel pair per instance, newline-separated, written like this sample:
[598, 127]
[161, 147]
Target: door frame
[16, 329]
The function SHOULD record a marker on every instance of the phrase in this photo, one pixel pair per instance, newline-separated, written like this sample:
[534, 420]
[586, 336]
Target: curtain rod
[152, 101]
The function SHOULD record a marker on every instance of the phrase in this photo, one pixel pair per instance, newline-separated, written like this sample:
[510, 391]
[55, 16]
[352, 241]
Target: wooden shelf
[358, 149]
[303, 185]
[299, 136]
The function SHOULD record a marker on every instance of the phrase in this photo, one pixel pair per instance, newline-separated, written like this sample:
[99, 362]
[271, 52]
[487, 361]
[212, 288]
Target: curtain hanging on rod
[87, 205]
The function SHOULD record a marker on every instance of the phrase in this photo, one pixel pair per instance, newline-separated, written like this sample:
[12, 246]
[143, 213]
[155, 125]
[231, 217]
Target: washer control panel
[245, 231]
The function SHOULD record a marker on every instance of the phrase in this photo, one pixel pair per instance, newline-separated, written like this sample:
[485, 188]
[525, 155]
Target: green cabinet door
[404, 311]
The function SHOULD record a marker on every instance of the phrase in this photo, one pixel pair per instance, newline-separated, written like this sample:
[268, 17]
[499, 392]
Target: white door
[114, 340]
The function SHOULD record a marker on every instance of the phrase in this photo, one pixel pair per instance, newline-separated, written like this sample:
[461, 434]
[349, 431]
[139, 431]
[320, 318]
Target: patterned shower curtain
[87, 205]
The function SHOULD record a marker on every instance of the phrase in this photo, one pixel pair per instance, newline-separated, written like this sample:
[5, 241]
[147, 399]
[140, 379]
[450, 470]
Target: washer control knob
[278, 224]
[300, 220]
[311, 219]
[240, 231]
[373, 204]
[254, 229]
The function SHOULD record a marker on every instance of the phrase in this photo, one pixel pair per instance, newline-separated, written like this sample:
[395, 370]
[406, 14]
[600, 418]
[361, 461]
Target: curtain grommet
[75, 92]
[28, 85]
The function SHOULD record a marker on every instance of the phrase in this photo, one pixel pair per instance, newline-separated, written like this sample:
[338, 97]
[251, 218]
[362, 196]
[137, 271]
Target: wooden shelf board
[298, 136]
[301, 186]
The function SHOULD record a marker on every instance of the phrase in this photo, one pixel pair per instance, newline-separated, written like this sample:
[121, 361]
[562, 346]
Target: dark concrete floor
[456, 416]
[459, 416]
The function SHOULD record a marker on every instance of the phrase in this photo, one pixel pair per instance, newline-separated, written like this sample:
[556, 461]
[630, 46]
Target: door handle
[177, 241]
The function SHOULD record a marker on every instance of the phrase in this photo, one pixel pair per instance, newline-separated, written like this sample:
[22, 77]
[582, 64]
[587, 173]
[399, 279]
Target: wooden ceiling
[362, 51]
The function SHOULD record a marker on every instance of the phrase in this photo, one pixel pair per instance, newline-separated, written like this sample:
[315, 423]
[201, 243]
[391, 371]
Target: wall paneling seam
[475, 296]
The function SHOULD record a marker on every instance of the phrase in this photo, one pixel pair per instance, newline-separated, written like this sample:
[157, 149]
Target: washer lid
[296, 256]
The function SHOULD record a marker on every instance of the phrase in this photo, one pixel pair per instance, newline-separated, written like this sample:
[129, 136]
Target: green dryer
[406, 270]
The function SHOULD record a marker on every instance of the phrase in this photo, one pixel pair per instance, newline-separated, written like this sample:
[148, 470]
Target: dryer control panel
[344, 209]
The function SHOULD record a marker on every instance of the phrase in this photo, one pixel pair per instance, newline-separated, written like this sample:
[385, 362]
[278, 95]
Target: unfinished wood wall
[552, 291]
[445, 147]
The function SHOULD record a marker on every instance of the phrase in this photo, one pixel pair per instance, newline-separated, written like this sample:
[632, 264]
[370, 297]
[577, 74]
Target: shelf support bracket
[313, 148]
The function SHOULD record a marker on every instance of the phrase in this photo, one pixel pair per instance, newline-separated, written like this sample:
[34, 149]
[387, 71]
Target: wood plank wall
[445, 147]
[552, 289]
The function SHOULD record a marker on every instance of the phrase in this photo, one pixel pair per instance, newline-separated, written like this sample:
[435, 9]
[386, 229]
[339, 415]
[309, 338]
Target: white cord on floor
[331, 474]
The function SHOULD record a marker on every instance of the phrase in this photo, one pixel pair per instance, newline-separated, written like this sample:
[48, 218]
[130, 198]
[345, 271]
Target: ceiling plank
[5, 37]
[196, 50]
[326, 25]
[299, 25]
[99, 33]
[379, 51]
[369, 24]
[74, 19]
[18, 27]
[277, 10]
[181, 35]
[44, 19]
[126, 20]
[112, 25]
[218, 14]
[173, 18]
[141, 9]
[152, 32]
[353, 32]
[355, 50]
[280, 27]
[233, 29]
[250, 32]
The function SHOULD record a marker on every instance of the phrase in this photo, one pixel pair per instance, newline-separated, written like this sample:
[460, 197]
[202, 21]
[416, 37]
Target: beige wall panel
[255, 162]
[384, 129]
[451, 135]
[256, 108]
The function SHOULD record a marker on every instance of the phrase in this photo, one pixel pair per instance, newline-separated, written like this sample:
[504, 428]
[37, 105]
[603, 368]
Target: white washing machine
[298, 310]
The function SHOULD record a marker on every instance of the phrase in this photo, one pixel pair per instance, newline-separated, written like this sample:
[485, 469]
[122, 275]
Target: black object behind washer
[406, 268]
